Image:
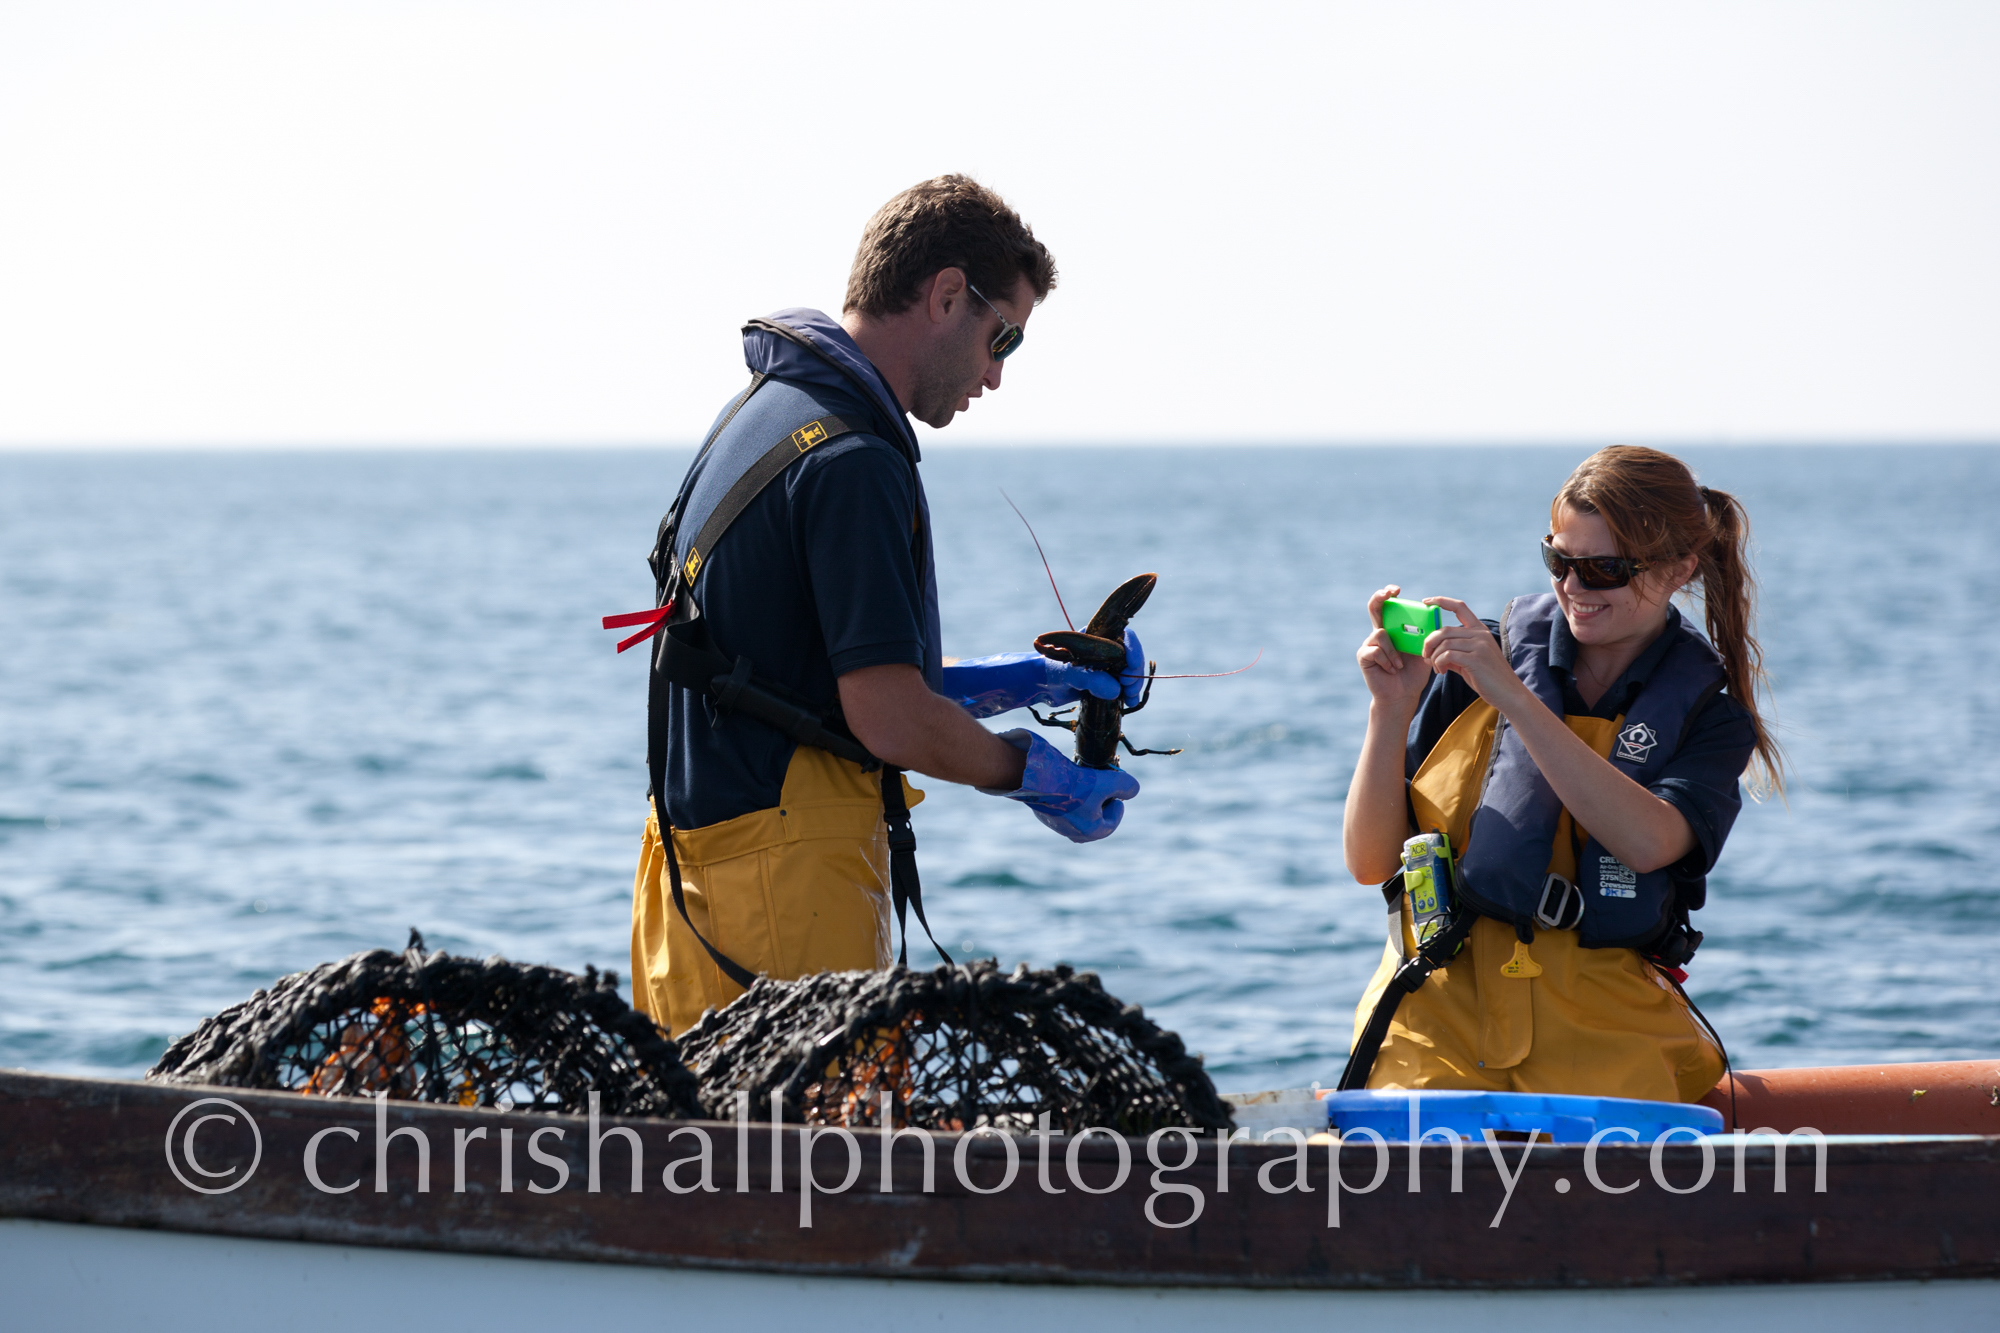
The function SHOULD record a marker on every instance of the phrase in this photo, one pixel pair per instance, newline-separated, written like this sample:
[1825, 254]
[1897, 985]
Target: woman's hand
[1470, 649]
[1395, 680]
[1376, 817]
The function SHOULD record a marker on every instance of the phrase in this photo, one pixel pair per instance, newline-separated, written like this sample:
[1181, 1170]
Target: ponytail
[1728, 597]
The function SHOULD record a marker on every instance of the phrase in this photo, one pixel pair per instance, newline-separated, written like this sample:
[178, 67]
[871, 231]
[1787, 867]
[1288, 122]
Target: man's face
[960, 366]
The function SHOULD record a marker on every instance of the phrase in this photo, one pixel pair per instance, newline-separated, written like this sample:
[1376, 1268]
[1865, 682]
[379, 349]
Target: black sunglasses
[1008, 340]
[1597, 572]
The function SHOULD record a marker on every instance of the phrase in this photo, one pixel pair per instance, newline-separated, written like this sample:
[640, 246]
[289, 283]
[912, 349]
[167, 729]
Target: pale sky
[438, 223]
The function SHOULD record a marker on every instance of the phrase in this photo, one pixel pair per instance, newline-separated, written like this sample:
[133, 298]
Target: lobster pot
[957, 1048]
[435, 1028]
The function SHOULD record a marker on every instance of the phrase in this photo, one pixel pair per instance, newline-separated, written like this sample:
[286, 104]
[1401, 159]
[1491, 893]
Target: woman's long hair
[1658, 512]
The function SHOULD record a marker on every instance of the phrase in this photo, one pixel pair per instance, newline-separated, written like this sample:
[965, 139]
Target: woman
[1583, 757]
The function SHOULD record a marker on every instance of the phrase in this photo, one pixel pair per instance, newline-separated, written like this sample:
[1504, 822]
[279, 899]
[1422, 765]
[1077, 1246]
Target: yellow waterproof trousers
[1594, 1022]
[1551, 1016]
[785, 892]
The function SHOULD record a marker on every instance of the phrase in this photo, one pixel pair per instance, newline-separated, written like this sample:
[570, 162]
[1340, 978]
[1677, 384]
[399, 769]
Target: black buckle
[1677, 946]
[1567, 911]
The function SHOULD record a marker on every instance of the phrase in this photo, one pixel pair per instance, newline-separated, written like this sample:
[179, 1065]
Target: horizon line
[17, 447]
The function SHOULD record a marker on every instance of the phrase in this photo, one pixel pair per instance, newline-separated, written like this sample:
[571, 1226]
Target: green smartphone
[1408, 623]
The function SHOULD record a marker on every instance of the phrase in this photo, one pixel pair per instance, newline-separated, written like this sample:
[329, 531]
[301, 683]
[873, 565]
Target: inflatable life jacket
[1522, 859]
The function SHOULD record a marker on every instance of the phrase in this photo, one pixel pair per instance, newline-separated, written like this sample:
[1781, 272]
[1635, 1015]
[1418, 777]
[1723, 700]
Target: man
[803, 645]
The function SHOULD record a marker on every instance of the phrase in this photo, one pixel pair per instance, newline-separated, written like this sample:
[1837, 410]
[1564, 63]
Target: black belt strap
[1431, 955]
[906, 891]
[686, 657]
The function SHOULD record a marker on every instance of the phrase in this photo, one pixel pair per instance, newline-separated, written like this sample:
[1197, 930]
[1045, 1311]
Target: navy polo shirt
[826, 572]
[1701, 779]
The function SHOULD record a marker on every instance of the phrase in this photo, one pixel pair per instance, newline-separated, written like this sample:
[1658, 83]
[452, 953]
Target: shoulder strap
[683, 654]
[751, 484]
[662, 557]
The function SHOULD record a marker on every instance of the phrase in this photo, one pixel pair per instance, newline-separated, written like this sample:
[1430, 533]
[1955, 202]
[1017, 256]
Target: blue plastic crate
[1563, 1119]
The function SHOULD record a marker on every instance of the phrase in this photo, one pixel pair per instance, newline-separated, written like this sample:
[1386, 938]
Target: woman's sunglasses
[1592, 571]
[1008, 340]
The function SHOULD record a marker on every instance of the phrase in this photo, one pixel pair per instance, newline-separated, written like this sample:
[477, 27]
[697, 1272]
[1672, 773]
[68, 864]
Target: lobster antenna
[1211, 675]
[1038, 551]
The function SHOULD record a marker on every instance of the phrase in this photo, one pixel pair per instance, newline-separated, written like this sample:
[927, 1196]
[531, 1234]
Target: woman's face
[1635, 613]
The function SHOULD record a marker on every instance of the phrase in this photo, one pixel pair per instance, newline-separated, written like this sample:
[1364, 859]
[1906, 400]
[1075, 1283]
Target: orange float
[1939, 1097]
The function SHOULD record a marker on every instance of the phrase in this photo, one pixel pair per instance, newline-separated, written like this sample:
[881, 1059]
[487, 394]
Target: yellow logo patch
[693, 565]
[805, 437]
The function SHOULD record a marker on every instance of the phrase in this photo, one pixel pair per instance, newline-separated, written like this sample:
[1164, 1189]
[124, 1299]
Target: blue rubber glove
[986, 686]
[1133, 677]
[1082, 804]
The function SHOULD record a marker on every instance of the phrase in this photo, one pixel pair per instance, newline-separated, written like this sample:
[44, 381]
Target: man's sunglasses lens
[1008, 342]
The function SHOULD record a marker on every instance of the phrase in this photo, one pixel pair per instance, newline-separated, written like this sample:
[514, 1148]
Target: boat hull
[104, 1155]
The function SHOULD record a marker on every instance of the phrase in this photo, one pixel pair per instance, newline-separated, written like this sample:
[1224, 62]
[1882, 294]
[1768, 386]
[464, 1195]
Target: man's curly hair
[947, 222]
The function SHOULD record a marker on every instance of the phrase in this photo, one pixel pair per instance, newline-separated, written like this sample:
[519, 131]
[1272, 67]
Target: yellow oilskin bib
[1552, 1017]
[786, 892]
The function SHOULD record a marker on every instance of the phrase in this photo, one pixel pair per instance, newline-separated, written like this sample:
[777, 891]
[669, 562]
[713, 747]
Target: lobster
[1099, 723]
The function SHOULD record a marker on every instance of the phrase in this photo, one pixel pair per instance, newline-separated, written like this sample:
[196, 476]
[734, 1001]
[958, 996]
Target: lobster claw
[1085, 650]
[1101, 647]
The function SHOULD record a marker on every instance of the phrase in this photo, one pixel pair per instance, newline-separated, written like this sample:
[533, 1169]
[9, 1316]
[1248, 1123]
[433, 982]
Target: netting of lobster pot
[955, 1048]
[431, 1027]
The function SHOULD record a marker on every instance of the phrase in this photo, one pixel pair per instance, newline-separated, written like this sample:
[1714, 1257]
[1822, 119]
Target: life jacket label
[693, 565]
[1636, 742]
[1615, 879]
[808, 435]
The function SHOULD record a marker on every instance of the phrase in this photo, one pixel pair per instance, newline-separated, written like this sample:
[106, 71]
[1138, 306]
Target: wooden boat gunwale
[93, 1151]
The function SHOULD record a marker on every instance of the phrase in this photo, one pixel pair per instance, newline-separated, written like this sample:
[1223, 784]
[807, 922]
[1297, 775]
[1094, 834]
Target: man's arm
[893, 713]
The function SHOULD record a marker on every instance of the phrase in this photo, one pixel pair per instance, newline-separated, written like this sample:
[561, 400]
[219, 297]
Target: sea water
[260, 710]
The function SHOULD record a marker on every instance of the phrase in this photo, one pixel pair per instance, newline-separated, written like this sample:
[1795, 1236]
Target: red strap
[652, 620]
[1677, 974]
[637, 617]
